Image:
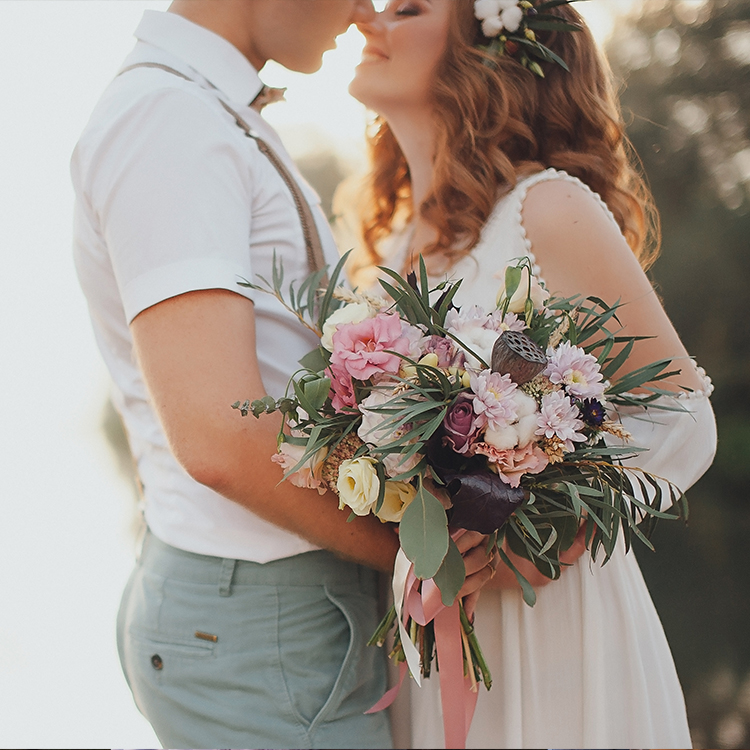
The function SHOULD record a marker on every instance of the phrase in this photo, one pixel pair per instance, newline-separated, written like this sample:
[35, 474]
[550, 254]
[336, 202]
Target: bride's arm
[580, 250]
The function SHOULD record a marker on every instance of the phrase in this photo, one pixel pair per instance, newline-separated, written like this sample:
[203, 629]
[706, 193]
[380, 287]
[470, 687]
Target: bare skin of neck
[230, 19]
[415, 133]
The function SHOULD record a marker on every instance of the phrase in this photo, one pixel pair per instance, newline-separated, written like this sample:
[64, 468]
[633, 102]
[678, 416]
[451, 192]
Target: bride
[478, 160]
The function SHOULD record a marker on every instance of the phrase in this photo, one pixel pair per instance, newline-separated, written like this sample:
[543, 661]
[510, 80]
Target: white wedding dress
[589, 665]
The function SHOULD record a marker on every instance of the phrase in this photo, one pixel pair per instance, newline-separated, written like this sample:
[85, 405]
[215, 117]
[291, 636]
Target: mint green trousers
[234, 654]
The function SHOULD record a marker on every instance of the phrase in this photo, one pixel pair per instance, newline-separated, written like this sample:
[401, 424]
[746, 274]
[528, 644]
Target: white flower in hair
[484, 9]
[512, 17]
[497, 15]
[492, 26]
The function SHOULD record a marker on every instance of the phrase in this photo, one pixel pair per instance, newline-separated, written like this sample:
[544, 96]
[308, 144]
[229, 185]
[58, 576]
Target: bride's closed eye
[408, 9]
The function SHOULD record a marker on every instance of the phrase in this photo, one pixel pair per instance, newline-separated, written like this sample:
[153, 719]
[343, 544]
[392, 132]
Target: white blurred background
[66, 528]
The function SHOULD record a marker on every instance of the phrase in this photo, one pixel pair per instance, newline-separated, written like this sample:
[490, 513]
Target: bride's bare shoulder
[577, 241]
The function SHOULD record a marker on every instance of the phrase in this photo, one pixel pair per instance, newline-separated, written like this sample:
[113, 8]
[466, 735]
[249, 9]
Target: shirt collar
[216, 59]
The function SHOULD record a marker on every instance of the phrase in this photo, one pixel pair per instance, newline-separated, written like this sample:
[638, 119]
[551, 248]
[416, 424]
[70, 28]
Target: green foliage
[451, 574]
[423, 532]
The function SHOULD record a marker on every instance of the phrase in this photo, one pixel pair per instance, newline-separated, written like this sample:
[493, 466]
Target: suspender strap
[315, 258]
[313, 245]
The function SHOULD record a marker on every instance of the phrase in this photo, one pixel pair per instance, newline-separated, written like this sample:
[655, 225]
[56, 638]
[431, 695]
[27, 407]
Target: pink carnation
[343, 398]
[575, 370]
[362, 349]
[558, 417]
[494, 398]
[512, 464]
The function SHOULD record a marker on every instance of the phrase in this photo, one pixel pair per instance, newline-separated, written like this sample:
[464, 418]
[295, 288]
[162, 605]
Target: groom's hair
[496, 120]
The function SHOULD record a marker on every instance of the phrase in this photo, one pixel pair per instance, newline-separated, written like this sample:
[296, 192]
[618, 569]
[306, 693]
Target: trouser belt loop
[225, 576]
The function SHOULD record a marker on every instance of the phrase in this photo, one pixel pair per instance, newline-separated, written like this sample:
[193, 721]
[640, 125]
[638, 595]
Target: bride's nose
[364, 12]
[372, 25]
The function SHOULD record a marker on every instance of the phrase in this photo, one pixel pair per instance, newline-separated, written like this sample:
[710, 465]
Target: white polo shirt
[171, 197]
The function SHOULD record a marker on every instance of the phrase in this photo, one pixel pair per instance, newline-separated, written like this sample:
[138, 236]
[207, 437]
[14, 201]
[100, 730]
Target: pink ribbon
[390, 695]
[458, 695]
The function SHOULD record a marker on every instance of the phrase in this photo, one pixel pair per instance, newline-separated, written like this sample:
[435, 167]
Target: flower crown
[511, 25]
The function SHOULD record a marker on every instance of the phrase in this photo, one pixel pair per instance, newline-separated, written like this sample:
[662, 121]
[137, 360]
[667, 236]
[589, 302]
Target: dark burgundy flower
[482, 501]
[461, 424]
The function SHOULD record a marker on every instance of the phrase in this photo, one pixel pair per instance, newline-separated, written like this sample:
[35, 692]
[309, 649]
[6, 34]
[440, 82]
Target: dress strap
[313, 244]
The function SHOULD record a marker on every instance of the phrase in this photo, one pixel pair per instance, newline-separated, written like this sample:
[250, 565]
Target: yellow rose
[397, 496]
[358, 484]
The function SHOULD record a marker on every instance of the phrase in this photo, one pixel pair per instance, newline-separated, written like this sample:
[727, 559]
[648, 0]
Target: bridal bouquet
[505, 410]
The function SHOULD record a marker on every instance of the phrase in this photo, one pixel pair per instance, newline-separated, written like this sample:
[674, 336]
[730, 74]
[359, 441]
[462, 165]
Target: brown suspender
[315, 257]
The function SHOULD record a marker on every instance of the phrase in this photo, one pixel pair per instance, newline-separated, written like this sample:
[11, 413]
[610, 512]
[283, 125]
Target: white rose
[397, 497]
[355, 312]
[358, 484]
[492, 26]
[486, 9]
[511, 18]
[517, 305]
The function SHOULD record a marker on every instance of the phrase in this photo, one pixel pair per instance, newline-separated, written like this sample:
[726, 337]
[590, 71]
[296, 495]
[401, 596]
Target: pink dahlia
[494, 398]
[578, 372]
[558, 417]
[508, 322]
[512, 464]
[363, 349]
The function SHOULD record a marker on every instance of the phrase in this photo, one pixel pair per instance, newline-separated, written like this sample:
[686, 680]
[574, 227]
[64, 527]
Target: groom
[244, 622]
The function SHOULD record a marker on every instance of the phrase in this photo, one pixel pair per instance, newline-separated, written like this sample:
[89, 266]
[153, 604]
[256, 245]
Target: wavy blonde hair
[494, 121]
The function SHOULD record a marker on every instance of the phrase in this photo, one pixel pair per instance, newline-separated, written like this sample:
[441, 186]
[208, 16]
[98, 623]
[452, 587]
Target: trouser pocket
[316, 645]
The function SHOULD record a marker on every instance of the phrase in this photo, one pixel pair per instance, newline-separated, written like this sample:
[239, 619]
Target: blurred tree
[687, 102]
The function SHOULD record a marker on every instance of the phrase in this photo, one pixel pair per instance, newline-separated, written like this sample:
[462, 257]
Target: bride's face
[405, 44]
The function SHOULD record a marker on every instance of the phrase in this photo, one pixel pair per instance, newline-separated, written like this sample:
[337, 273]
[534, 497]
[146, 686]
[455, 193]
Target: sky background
[66, 539]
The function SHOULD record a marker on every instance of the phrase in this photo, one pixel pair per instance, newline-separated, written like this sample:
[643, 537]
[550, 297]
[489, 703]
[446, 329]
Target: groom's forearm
[197, 354]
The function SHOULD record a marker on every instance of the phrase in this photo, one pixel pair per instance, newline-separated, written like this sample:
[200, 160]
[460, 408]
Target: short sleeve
[679, 443]
[172, 188]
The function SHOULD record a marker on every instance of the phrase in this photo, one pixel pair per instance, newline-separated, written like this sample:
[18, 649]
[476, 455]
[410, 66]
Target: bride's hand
[480, 567]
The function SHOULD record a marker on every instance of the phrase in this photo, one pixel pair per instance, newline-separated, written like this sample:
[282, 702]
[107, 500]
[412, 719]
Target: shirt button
[156, 662]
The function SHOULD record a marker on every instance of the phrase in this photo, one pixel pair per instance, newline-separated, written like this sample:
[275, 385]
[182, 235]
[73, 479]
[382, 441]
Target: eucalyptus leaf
[451, 574]
[423, 533]
[316, 392]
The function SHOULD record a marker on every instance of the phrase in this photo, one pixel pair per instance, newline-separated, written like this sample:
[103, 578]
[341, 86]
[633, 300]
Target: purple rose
[462, 424]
